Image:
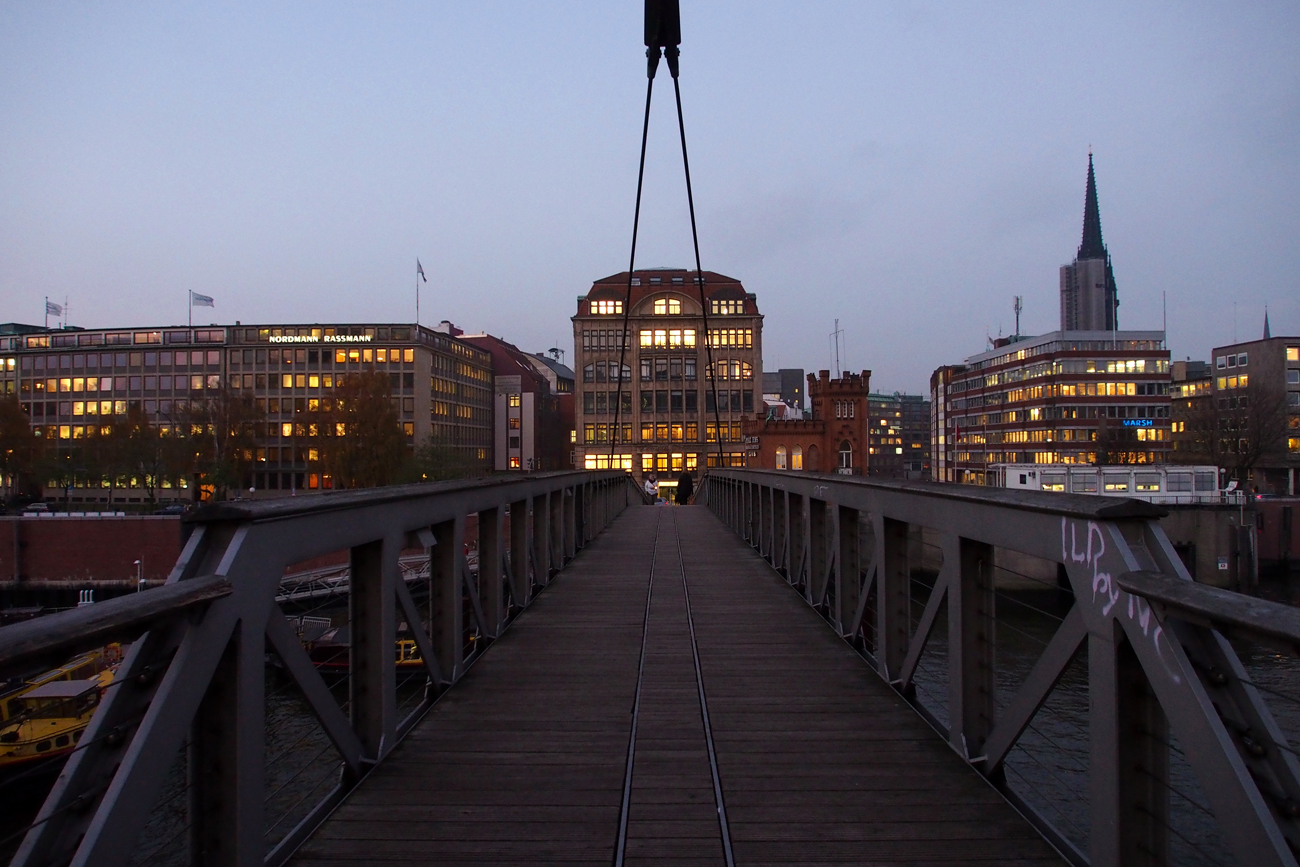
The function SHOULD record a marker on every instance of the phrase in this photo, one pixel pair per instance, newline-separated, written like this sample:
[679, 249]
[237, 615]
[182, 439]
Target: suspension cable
[695, 239]
[652, 54]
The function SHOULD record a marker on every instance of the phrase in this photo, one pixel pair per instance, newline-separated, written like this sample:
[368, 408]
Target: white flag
[197, 300]
[53, 309]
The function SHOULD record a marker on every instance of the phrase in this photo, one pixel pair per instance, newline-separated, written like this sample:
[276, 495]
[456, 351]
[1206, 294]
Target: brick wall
[87, 551]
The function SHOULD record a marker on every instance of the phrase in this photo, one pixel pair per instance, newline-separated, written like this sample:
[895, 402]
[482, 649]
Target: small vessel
[50, 718]
[84, 667]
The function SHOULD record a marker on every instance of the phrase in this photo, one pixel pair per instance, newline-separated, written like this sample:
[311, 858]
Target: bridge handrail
[1160, 667]
[193, 681]
[44, 642]
[1222, 609]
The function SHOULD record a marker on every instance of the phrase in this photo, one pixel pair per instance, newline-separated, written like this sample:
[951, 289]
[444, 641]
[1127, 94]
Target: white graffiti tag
[1106, 592]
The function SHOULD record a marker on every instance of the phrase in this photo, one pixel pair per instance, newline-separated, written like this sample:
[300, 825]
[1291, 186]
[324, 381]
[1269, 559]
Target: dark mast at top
[1088, 294]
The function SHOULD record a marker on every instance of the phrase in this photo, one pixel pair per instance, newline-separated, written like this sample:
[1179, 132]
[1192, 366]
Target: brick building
[835, 438]
[658, 415]
[528, 431]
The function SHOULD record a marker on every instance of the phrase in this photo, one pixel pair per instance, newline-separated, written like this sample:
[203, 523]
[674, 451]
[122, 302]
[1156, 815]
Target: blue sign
[1138, 422]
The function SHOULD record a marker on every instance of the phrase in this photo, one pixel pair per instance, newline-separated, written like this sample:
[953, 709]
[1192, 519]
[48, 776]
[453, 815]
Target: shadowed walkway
[815, 759]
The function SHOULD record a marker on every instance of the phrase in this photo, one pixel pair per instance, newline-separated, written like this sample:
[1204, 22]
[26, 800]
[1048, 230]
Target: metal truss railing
[189, 705]
[1170, 719]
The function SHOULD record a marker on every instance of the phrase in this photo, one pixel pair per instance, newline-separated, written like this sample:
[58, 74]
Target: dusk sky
[905, 167]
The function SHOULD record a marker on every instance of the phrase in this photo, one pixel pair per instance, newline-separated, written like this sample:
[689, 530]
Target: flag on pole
[197, 300]
[419, 269]
[52, 309]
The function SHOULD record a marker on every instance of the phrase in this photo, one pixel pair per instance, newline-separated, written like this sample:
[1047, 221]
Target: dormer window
[636, 281]
[655, 281]
[606, 308]
[679, 279]
[668, 307]
[727, 308]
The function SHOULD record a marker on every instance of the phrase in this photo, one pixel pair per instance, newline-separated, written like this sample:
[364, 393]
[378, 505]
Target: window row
[846, 409]
[109, 360]
[77, 384]
[248, 357]
[598, 432]
[603, 338]
[605, 371]
[606, 308]
[600, 402]
[1234, 360]
[675, 338]
[113, 338]
[730, 368]
[664, 369]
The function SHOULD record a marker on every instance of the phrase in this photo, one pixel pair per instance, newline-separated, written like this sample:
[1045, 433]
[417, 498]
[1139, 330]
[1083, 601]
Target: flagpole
[417, 294]
[47, 313]
[190, 310]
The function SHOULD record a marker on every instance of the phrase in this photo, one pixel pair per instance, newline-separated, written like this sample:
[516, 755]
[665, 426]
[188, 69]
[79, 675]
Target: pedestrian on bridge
[685, 487]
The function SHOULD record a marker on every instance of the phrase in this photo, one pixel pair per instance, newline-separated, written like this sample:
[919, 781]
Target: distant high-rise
[1088, 296]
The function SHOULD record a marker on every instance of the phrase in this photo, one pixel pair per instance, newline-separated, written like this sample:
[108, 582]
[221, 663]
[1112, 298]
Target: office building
[1191, 403]
[527, 429]
[657, 414]
[899, 430]
[74, 382]
[1066, 397]
[1256, 395]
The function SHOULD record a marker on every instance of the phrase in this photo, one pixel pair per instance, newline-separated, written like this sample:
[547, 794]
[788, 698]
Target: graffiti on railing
[1107, 591]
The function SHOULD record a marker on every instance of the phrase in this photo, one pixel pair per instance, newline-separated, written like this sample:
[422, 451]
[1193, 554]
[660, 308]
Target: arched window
[780, 457]
[852, 404]
[796, 458]
[846, 455]
[814, 459]
[838, 410]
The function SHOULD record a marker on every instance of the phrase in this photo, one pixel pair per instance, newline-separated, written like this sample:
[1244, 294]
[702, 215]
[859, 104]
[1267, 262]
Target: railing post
[491, 585]
[541, 542]
[765, 523]
[521, 581]
[780, 533]
[446, 597]
[798, 539]
[972, 708]
[373, 676]
[815, 585]
[755, 515]
[848, 571]
[571, 516]
[893, 597]
[226, 757]
[556, 512]
[1128, 774]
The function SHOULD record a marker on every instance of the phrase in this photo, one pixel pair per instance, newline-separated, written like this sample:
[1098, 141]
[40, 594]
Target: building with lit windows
[1070, 397]
[1256, 394]
[1190, 401]
[899, 428]
[656, 413]
[527, 423]
[69, 381]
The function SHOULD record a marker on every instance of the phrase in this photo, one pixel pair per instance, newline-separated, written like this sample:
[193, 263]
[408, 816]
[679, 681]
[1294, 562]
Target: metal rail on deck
[195, 674]
[1158, 661]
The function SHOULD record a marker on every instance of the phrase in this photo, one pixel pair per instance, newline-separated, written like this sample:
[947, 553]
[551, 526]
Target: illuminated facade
[1073, 397]
[657, 414]
[69, 381]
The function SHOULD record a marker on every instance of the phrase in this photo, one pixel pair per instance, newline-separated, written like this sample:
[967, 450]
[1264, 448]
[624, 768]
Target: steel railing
[186, 721]
[1177, 717]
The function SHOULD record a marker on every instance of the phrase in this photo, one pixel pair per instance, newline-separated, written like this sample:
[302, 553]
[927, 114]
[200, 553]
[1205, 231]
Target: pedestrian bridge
[800, 669]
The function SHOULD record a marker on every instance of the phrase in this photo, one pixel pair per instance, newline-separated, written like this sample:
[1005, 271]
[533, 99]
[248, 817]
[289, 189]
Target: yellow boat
[47, 717]
[83, 667]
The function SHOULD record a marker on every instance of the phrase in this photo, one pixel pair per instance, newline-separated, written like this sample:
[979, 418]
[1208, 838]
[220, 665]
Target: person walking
[651, 489]
[685, 487]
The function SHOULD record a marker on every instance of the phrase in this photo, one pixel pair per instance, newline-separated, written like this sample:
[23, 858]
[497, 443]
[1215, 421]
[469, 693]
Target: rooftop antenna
[1019, 305]
[557, 353]
[835, 335]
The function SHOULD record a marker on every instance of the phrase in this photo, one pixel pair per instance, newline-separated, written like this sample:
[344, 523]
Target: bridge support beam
[780, 558]
[521, 577]
[373, 677]
[818, 532]
[893, 597]
[491, 587]
[226, 757]
[848, 573]
[1128, 774]
[446, 604]
[797, 528]
[972, 706]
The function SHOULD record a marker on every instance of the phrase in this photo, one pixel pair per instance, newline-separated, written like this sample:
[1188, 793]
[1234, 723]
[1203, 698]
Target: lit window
[646, 338]
[286, 429]
[606, 308]
[727, 308]
[1292, 354]
[668, 307]
[513, 400]
[796, 458]
[514, 463]
[780, 457]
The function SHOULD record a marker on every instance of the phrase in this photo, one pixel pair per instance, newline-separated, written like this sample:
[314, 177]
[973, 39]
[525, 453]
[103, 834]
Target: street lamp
[139, 576]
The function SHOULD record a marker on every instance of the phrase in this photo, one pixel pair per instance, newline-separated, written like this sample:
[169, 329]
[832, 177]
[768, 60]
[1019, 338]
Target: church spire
[1092, 246]
[1268, 333]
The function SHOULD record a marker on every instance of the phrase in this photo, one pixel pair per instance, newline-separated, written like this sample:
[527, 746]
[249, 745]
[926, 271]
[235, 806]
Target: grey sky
[906, 167]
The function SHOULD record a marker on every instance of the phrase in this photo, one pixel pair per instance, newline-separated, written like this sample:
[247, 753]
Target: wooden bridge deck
[817, 761]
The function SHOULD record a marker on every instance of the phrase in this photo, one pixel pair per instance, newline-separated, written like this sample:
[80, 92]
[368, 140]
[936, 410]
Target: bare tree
[359, 432]
[1252, 428]
[19, 447]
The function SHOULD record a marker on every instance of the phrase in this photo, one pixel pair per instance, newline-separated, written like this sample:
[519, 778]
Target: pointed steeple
[1092, 246]
[1267, 333]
